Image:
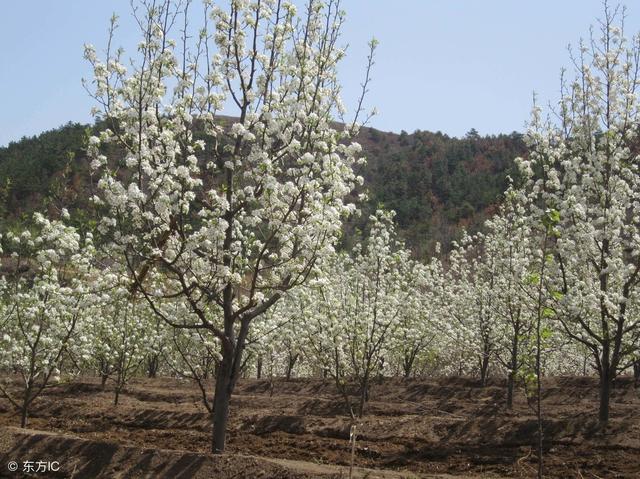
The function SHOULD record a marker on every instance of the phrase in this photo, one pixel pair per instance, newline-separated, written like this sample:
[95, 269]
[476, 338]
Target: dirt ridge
[82, 458]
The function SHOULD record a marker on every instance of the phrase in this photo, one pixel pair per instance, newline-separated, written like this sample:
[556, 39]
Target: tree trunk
[259, 369]
[484, 369]
[24, 412]
[513, 367]
[510, 386]
[23, 416]
[407, 363]
[119, 387]
[406, 370]
[222, 396]
[636, 373]
[153, 366]
[104, 373]
[364, 395]
[120, 380]
[605, 390]
[293, 358]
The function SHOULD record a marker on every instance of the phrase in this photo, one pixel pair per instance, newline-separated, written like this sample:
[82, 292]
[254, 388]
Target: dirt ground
[449, 427]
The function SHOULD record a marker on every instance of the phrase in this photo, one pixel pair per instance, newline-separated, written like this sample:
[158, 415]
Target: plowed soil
[448, 427]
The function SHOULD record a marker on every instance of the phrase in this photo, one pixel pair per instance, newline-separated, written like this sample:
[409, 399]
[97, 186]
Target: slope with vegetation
[436, 184]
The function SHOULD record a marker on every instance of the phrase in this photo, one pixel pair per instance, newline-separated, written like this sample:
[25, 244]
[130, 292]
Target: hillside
[437, 184]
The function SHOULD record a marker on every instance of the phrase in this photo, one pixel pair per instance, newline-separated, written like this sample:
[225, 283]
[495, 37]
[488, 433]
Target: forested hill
[437, 184]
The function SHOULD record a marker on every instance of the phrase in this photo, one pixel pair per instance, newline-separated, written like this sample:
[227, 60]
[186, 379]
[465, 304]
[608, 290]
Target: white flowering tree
[277, 336]
[507, 244]
[44, 294]
[356, 307]
[158, 346]
[583, 171]
[413, 346]
[230, 211]
[122, 331]
[468, 299]
[456, 343]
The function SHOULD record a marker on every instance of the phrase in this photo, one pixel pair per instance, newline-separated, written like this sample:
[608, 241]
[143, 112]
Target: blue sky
[448, 65]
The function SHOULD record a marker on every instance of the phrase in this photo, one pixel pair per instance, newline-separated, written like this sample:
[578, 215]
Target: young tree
[507, 241]
[278, 335]
[358, 303]
[44, 296]
[468, 297]
[230, 212]
[583, 171]
[120, 332]
[413, 344]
